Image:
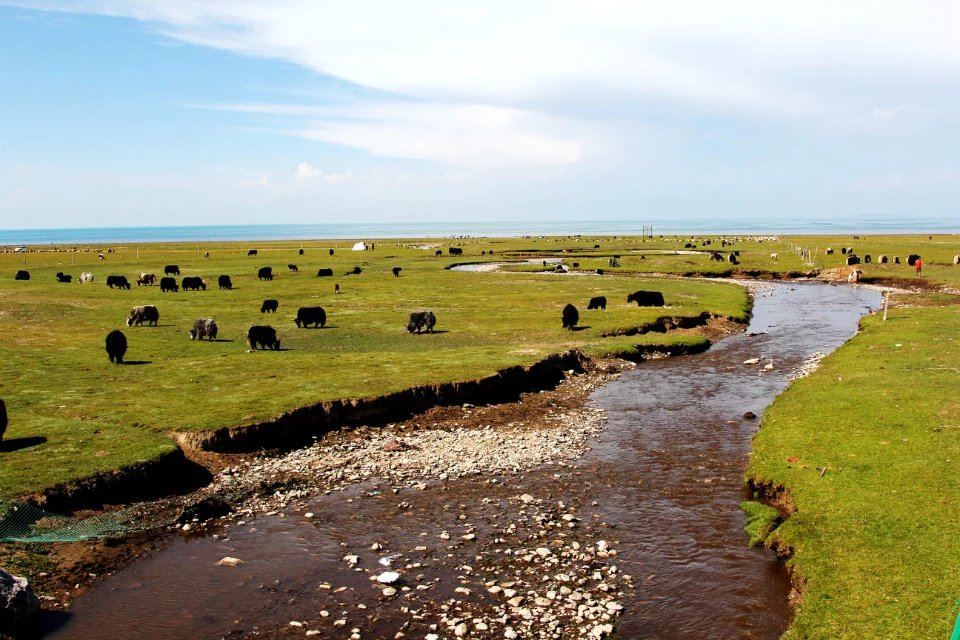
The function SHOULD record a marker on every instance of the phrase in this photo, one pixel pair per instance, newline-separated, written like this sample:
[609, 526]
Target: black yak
[171, 270]
[292, 267]
[265, 273]
[116, 344]
[168, 284]
[118, 281]
[22, 275]
[396, 271]
[311, 315]
[269, 306]
[570, 317]
[263, 337]
[146, 279]
[193, 283]
[421, 319]
[224, 282]
[324, 272]
[600, 302]
[646, 298]
[63, 277]
[252, 252]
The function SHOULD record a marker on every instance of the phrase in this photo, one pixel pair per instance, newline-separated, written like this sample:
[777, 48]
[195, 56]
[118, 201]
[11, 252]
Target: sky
[195, 112]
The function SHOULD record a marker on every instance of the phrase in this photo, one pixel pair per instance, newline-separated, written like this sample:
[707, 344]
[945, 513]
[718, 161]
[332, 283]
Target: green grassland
[95, 416]
[875, 536]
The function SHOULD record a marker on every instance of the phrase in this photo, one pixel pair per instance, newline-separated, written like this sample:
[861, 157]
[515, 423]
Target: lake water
[707, 225]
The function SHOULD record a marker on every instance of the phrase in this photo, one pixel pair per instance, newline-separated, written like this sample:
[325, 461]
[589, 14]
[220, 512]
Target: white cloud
[306, 172]
[501, 83]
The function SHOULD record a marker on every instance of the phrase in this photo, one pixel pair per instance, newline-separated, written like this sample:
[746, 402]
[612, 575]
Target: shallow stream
[665, 474]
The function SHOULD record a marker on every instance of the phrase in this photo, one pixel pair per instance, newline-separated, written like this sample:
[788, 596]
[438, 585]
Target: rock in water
[17, 602]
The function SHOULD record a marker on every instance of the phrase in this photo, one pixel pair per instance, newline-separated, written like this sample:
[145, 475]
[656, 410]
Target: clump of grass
[761, 521]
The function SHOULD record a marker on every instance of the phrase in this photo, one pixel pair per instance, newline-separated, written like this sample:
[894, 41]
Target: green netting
[24, 522]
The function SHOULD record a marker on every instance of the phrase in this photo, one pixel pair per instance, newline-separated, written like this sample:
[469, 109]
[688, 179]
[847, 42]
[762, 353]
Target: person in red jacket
[919, 265]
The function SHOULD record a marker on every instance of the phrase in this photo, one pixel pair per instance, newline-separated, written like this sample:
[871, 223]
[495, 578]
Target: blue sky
[167, 112]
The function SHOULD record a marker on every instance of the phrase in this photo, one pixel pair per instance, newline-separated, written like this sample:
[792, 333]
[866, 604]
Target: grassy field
[875, 536]
[94, 416]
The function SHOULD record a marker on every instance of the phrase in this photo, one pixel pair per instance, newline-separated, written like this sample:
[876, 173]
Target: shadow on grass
[16, 444]
[137, 363]
[580, 328]
[424, 333]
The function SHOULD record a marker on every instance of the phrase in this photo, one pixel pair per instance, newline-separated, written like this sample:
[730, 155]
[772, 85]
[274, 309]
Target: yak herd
[265, 336]
[258, 336]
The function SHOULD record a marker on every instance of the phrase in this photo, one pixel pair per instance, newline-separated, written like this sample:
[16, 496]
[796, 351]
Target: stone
[229, 562]
[526, 498]
[17, 601]
[749, 415]
[752, 361]
[389, 591]
[388, 577]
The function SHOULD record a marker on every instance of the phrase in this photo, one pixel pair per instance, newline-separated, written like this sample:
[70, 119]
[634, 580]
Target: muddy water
[665, 476]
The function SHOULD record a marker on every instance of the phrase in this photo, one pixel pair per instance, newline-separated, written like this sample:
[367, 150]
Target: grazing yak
[852, 259]
[599, 272]
[22, 275]
[252, 252]
[438, 252]
[301, 252]
[265, 273]
[773, 256]
[311, 315]
[896, 259]
[168, 284]
[118, 281]
[912, 259]
[264, 337]
[116, 344]
[146, 279]
[63, 277]
[331, 251]
[193, 283]
[570, 317]
[269, 306]
[224, 282]
[336, 288]
[171, 270]
[455, 251]
[292, 267]
[855, 275]
[716, 257]
[354, 272]
[828, 252]
[421, 319]
[646, 298]
[85, 278]
[143, 313]
[396, 271]
[882, 258]
[732, 258]
[204, 328]
[956, 259]
[324, 272]
[600, 302]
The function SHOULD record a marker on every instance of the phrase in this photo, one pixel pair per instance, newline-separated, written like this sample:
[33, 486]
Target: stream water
[665, 474]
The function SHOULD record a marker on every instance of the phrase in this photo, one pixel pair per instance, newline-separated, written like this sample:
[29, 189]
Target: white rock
[752, 361]
[388, 577]
[229, 562]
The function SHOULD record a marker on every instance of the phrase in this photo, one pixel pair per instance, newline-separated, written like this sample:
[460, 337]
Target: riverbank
[859, 459]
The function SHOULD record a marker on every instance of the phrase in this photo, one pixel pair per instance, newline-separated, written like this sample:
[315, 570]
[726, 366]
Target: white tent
[360, 246]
